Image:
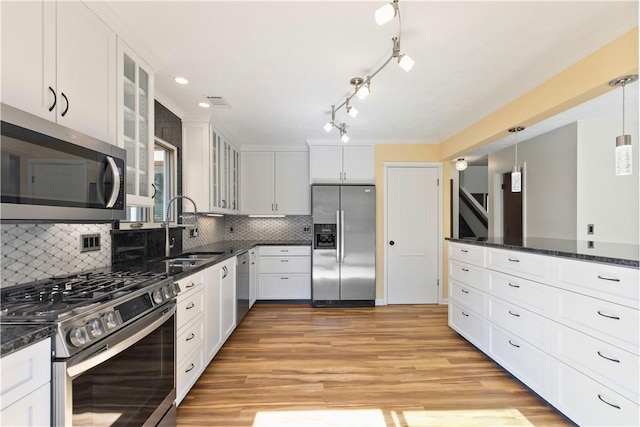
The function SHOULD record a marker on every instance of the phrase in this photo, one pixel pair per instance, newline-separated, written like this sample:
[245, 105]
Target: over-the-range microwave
[52, 173]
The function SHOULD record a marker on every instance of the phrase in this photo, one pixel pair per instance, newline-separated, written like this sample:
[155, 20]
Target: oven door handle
[106, 352]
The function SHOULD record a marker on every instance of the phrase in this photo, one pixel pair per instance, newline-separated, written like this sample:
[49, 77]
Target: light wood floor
[391, 366]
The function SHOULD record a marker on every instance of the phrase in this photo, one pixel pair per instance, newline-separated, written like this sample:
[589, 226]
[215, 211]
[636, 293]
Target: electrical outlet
[590, 244]
[231, 229]
[89, 242]
[307, 229]
[590, 228]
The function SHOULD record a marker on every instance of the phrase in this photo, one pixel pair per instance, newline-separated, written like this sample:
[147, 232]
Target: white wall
[474, 179]
[608, 201]
[549, 194]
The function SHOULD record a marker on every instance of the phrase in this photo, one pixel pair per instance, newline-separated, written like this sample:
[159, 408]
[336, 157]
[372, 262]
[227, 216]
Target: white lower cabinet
[228, 296]
[213, 312]
[253, 276]
[25, 386]
[189, 333]
[284, 273]
[569, 330]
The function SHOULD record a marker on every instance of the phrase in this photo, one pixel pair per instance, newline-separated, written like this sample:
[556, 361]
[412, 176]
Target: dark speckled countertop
[626, 255]
[15, 337]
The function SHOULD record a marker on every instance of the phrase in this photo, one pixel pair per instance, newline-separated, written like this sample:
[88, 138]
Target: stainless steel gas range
[113, 353]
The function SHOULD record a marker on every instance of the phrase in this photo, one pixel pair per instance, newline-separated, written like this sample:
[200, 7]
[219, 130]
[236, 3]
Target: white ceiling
[281, 65]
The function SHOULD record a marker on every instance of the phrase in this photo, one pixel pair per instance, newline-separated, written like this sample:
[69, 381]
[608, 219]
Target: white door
[412, 235]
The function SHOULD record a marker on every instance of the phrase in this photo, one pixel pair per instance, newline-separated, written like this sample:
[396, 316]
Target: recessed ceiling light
[204, 104]
[181, 80]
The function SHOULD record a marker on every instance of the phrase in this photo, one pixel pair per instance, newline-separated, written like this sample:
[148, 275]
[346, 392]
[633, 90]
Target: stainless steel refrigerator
[344, 245]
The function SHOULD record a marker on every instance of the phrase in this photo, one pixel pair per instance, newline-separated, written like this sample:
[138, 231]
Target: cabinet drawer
[589, 403]
[525, 293]
[467, 295]
[188, 372]
[24, 371]
[616, 284]
[469, 275]
[284, 250]
[284, 286]
[467, 253]
[467, 323]
[521, 264]
[299, 264]
[190, 337]
[32, 410]
[610, 365]
[612, 323]
[527, 363]
[190, 284]
[189, 308]
[520, 322]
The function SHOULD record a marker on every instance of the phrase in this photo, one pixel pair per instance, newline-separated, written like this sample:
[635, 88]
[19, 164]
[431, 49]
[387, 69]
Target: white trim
[380, 301]
[440, 236]
[168, 104]
[445, 301]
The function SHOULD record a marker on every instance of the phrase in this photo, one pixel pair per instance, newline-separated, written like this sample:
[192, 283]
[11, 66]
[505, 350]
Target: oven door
[128, 379]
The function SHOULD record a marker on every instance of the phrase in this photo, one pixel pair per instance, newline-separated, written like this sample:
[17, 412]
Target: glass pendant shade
[328, 127]
[405, 62]
[344, 138]
[385, 14]
[363, 92]
[624, 163]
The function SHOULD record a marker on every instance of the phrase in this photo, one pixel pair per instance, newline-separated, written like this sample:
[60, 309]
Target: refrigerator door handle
[342, 237]
[338, 237]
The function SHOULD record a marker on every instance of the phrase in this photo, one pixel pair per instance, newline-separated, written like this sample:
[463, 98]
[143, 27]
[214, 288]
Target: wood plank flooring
[390, 366]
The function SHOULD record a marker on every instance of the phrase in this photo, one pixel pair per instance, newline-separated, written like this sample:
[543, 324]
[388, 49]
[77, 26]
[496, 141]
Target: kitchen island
[561, 316]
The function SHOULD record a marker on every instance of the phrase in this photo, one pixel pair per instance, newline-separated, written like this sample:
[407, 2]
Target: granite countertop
[228, 249]
[626, 255]
[14, 337]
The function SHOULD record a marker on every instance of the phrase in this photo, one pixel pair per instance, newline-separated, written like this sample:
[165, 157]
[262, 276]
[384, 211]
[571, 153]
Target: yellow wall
[582, 81]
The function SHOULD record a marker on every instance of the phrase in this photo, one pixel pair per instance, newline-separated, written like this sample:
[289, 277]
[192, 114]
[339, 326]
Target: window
[164, 185]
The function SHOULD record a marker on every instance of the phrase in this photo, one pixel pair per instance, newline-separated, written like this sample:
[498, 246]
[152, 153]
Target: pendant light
[516, 174]
[624, 161]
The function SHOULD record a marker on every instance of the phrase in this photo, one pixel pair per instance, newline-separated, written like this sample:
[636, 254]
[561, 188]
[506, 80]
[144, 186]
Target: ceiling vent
[218, 102]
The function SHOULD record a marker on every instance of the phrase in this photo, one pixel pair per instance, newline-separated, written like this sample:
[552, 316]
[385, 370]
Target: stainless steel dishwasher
[242, 286]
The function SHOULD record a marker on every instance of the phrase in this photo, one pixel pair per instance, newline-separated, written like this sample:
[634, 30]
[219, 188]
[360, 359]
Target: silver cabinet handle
[513, 286]
[190, 337]
[464, 314]
[190, 368]
[465, 270]
[611, 279]
[284, 260]
[608, 316]
[608, 358]
[284, 278]
[515, 345]
[513, 260]
[610, 404]
[190, 306]
[464, 291]
[190, 285]
[514, 314]
[464, 250]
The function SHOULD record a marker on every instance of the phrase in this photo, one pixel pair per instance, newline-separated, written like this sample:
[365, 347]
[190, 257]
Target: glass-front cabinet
[225, 166]
[135, 124]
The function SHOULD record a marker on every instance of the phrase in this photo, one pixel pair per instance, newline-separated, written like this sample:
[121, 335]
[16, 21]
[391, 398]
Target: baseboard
[380, 302]
[445, 301]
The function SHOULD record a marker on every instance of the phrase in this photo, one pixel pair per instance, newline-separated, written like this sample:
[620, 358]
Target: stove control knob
[158, 296]
[168, 292]
[95, 328]
[78, 336]
[176, 288]
[110, 319]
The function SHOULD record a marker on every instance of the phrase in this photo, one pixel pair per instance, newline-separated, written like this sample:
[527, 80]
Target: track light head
[362, 89]
[328, 126]
[343, 133]
[386, 13]
[405, 62]
[350, 110]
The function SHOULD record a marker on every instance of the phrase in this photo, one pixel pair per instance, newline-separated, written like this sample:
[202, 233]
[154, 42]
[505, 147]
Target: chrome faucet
[167, 246]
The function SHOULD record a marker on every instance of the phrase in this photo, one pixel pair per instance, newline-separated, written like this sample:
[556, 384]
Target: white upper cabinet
[135, 123]
[225, 165]
[335, 164]
[275, 183]
[59, 62]
[195, 164]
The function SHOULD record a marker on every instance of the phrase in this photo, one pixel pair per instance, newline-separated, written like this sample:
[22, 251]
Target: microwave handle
[116, 182]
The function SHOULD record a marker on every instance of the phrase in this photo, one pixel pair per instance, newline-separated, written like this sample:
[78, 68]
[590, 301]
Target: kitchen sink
[192, 258]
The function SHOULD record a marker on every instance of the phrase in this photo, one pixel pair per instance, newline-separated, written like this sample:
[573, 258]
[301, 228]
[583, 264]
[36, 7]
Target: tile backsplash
[210, 230]
[36, 251]
[292, 227]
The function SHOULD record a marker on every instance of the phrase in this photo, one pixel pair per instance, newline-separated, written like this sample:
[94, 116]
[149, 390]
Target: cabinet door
[135, 121]
[86, 72]
[213, 312]
[28, 56]
[292, 193]
[215, 165]
[195, 164]
[234, 175]
[228, 292]
[32, 410]
[325, 164]
[358, 165]
[257, 182]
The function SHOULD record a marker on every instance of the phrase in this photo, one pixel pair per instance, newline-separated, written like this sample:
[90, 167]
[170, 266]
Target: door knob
[392, 242]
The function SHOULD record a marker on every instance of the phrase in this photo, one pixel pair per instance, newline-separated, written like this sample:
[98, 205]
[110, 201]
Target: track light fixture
[362, 86]
[386, 13]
